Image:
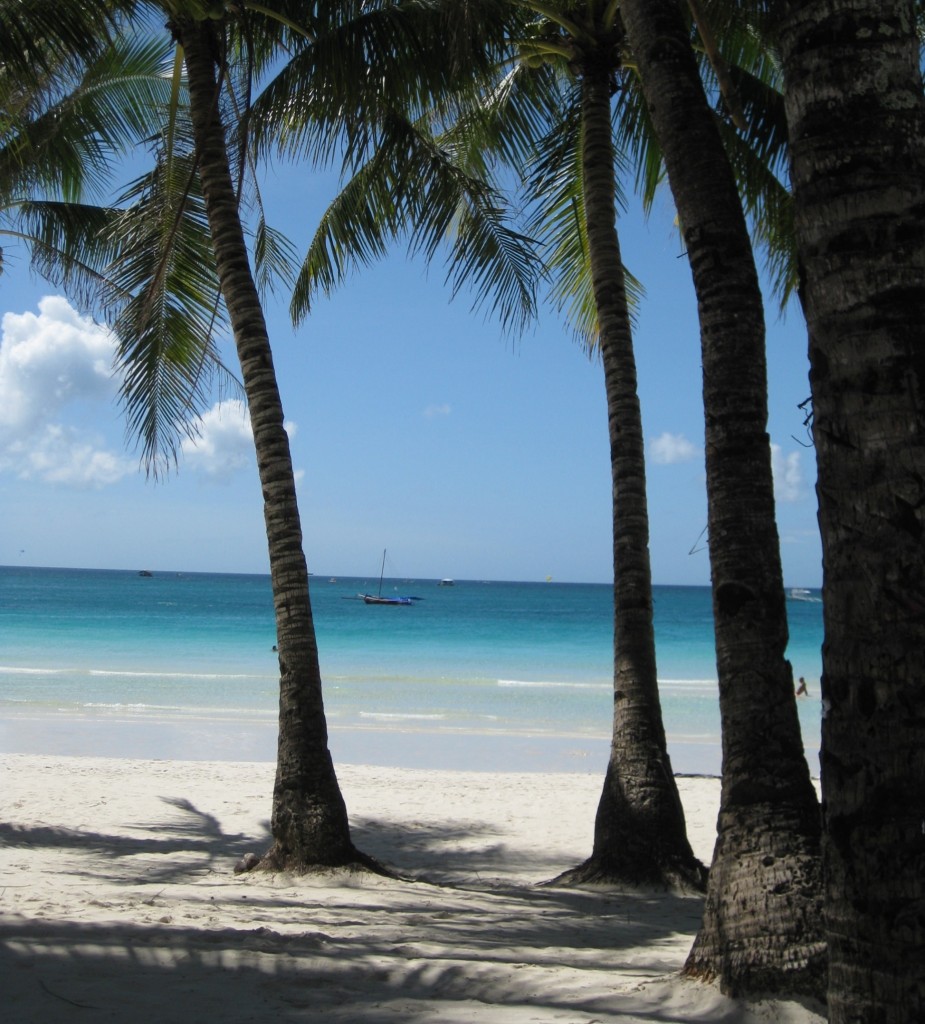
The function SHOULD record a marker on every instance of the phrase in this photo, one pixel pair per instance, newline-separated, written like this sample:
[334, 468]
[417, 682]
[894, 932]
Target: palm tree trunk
[639, 832]
[762, 921]
[856, 119]
[309, 818]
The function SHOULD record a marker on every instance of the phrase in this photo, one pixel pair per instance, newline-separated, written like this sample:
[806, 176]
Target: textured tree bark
[309, 818]
[640, 834]
[762, 920]
[856, 119]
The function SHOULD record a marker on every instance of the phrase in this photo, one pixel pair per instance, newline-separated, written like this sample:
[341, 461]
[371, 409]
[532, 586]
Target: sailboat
[378, 598]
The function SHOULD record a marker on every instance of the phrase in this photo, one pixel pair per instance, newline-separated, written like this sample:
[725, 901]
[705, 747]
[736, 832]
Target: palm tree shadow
[460, 924]
[200, 821]
[139, 973]
[194, 841]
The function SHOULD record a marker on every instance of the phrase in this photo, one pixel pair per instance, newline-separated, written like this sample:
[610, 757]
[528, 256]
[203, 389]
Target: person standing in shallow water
[802, 691]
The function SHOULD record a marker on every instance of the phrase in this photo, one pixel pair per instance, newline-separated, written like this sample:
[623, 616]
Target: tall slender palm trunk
[309, 818]
[762, 921]
[639, 832]
[856, 119]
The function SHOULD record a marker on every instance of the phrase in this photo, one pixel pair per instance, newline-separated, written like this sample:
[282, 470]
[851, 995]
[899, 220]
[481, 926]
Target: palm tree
[309, 818]
[858, 175]
[762, 921]
[639, 833]
[154, 265]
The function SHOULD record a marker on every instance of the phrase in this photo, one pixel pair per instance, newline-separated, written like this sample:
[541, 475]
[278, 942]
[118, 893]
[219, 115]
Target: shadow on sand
[184, 940]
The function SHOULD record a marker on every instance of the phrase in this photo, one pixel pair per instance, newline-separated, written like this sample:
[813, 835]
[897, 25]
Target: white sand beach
[119, 903]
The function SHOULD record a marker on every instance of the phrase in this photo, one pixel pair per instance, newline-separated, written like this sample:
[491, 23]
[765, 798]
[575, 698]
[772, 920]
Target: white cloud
[50, 364]
[225, 443]
[667, 449]
[49, 360]
[58, 395]
[60, 455]
[433, 411]
[788, 474]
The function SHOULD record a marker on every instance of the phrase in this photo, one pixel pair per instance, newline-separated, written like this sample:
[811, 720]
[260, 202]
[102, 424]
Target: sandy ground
[119, 903]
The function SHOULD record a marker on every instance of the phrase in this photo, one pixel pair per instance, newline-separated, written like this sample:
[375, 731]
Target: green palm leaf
[39, 36]
[167, 327]
[70, 247]
[59, 141]
[412, 188]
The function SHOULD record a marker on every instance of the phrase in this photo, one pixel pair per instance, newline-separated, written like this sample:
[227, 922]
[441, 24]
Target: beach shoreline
[120, 898]
[243, 736]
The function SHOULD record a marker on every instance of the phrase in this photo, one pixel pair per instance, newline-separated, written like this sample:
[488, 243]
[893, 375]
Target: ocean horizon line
[316, 575]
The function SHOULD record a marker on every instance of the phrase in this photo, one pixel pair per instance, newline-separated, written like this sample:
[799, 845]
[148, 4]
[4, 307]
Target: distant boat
[378, 598]
[447, 582]
[802, 594]
[144, 572]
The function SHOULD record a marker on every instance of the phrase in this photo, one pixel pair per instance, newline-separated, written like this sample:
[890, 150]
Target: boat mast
[382, 572]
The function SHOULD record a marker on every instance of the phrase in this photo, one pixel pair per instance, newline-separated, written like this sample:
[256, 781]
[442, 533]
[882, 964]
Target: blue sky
[416, 426]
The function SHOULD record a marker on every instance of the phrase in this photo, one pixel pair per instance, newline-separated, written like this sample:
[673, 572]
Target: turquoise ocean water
[478, 675]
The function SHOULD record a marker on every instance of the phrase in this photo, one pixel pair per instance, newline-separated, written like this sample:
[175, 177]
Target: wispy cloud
[788, 475]
[432, 411]
[56, 373]
[668, 449]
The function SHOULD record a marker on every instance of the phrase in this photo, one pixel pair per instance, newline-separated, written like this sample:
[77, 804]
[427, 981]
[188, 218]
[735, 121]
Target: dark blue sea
[479, 674]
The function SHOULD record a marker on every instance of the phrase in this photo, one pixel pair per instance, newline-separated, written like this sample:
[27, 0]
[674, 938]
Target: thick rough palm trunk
[762, 921]
[309, 819]
[639, 834]
[857, 133]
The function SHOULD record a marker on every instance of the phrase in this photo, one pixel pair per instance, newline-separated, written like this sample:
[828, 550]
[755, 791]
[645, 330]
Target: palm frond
[508, 122]
[554, 188]
[353, 67]
[758, 154]
[61, 140]
[71, 247]
[355, 230]
[766, 134]
[357, 62]
[413, 188]
[40, 35]
[453, 207]
[167, 329]
[275, 259]
[635, 139]
[768, 206]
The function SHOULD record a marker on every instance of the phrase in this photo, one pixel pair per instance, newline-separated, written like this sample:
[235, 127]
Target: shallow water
[525, 667]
